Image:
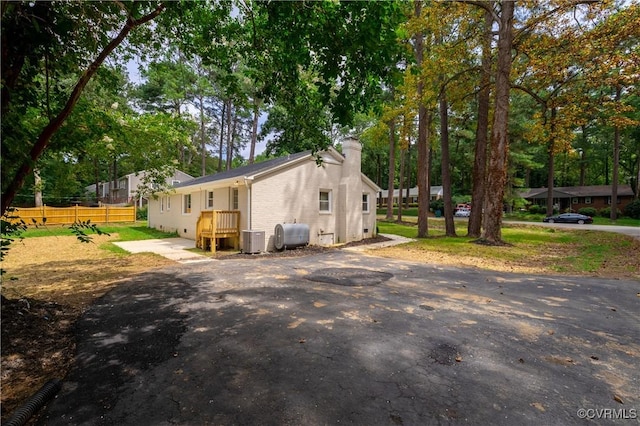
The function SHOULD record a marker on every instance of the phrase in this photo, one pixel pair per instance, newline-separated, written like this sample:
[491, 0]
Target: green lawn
[526, 217]
[597, 220]
[126, 232]
[561, 250]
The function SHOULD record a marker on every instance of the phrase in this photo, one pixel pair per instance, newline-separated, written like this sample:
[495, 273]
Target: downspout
[247, 184]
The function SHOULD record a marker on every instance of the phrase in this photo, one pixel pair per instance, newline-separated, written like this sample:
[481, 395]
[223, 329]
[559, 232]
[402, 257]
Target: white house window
[574, 200]
[365, 203]
[209, 199]
[235, 198]
[175, 182]
[186, 204]
[161, 204]
[608, 200]
[587, 200]
[325, 201]
[168, 202]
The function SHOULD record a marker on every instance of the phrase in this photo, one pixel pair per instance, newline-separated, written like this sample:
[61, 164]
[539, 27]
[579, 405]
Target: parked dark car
[568, 218]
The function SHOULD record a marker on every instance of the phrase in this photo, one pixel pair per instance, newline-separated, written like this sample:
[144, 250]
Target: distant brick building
[576, 197]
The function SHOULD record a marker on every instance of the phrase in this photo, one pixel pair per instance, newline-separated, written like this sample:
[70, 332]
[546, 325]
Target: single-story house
[436, 194]
[576, 197]
[333, 198]
[125, 189]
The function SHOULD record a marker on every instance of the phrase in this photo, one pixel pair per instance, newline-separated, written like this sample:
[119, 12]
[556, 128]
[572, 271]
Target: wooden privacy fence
[69, 215]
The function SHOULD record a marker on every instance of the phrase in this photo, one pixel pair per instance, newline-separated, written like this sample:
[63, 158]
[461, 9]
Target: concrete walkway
[394, 240]
[176, 248]
[171, 248]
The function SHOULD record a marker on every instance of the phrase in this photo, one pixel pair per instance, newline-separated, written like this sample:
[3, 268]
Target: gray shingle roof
[247, 170]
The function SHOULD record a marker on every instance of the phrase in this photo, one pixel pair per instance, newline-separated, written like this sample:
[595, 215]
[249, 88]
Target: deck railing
[214, 225]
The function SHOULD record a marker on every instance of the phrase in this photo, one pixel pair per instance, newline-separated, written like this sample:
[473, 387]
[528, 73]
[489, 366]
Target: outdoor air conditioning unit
[252, 241]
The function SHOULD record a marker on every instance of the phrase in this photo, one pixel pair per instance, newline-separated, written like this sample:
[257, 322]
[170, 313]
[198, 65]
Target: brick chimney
[350, 197]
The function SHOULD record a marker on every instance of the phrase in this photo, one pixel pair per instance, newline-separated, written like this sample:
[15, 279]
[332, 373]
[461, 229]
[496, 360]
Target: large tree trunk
[423, 137]
[203, 143]
[222, 126]
[474, 227]
[583, 164]
[616, 165]
[408, 173]
[37, 187]
[254, 130]
[552, 166]
[379, 177]
[392, 168]
[450, 227]
[96, 178]
[234, 133]
[47, 133]
[115, 191]
[496, 173]
[230, 130]
[401, 184]
[424, 187]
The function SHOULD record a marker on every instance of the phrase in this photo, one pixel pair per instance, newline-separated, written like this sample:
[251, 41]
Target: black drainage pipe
[36, 402]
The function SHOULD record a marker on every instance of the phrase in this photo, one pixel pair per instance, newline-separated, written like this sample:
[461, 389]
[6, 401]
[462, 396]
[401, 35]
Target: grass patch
[112, 248]
[531, 249]
[126, 232]
[410, 211]
[597, 220]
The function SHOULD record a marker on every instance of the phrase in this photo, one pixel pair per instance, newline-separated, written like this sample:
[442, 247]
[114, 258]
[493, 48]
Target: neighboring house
[436, 194]
[576, 197]
[127, 187]
[334, 199]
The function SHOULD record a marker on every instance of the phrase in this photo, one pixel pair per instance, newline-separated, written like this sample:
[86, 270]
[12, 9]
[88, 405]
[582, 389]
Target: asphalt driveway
[346, 338]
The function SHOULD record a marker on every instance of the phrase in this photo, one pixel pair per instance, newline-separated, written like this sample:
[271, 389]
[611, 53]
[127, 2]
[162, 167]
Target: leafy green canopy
[319, 60]
[322, 62]
[50, 52]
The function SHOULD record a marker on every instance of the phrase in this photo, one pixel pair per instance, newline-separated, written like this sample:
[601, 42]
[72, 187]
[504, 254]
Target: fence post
[107, 213]
[44, 213]
[75, 214]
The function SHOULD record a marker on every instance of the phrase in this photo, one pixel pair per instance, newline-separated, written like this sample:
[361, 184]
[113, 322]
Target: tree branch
[47, 133]
[531, 93]
[546, 15]
[484, 5]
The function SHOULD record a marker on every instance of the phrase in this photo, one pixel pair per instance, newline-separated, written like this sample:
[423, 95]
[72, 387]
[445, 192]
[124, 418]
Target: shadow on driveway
[347, 338]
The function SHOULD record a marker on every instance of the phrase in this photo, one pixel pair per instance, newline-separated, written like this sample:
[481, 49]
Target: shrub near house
[633, 209]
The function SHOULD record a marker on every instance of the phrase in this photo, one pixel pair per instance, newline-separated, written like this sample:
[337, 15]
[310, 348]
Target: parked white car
[462, 212]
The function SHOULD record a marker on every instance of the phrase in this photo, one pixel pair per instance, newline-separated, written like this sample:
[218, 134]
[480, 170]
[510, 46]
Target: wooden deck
[215, 225]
